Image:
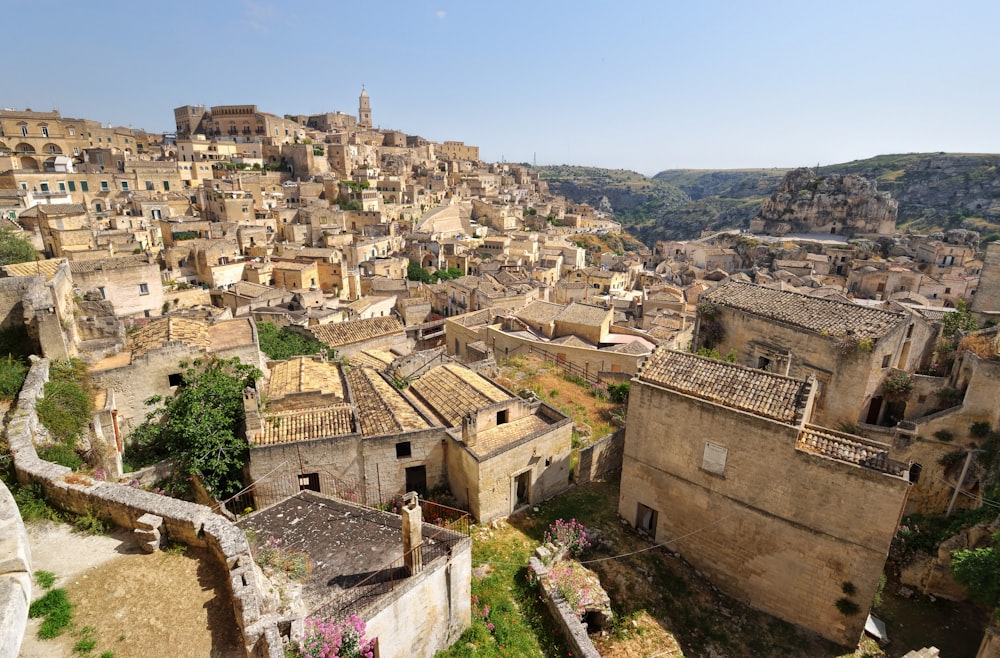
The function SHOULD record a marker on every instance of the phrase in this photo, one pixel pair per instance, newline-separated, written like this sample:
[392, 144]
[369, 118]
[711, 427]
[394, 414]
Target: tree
[979, 571]
[14, 248]
[282, 344]
[961, 319]
[201, 427]
[415, 272]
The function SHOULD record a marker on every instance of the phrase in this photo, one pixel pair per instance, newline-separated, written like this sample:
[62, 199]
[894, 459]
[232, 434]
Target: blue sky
[636, 85]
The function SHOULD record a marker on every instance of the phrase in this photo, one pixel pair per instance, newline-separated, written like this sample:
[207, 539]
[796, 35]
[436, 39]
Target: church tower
[364, 109]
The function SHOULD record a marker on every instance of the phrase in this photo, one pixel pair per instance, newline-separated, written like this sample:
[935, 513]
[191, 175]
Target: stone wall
[572, 629]
[601, 460]
[15, 576]
[178, 521]
[797, 526]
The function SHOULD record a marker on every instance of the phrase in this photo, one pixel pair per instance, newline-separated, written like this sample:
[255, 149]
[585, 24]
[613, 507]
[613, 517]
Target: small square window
[143, 288]
[403, 449]
[104, 186]
[176, 379]
[886, 360]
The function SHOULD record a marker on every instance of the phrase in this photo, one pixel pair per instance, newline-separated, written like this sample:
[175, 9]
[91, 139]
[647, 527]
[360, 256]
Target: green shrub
[62, 454]
[32, 504]
[980, 430]
[90, 524]
[66, 406]
[12, 374]
[944, 435]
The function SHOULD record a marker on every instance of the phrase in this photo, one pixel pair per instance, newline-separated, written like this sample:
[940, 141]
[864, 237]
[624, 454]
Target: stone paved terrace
[849, 448]
[346, 545]
[755, 391]
[822, 316]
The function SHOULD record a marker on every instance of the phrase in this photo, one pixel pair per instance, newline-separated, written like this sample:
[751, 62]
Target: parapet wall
[183, 522]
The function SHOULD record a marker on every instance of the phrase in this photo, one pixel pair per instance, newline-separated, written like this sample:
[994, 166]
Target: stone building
[503, 453]
[131, 283]
[150, 363]
[848, 348]
[722, 464]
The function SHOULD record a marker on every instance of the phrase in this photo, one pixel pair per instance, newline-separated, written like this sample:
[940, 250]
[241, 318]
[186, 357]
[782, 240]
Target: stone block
[15, 595]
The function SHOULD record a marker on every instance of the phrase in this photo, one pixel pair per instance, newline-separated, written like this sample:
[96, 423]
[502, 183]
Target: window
[72, 133]
[103, 291]
[502, 417]
[84, 187]
[714, 458]
[45, 131]
[885, 360]
[24, 130]
[104, 186]
[143, 288]
[764, 363]
[124, 186]
[72, 186]
[645, 520]
[44, 187]
[62, 186]
[166, 186]
[149, 186]
[309, 481]
[175, 379]
[403, 449]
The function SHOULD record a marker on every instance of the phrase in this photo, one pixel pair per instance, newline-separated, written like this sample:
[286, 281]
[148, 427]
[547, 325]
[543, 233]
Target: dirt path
[140, 605]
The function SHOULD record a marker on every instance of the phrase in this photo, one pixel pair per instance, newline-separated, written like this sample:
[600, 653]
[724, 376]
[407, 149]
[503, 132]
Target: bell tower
[364, 109]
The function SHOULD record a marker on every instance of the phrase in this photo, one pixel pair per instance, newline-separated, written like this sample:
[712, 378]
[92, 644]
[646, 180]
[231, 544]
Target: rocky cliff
[806, 202]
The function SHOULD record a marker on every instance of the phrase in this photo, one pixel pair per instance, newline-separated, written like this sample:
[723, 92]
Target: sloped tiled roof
[381, 408]
[347, 333]
[158, 333]
[116, 263]
[46, 268]
[497, 438]
[825, 316]
[375, 359]
[754, 391]
[304, 374]
[849, 448]
[306, 424]
[539, 312]
[585, 314]
[451, 391]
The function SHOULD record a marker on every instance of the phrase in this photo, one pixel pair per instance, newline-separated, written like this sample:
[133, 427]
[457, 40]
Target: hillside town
[799, 386]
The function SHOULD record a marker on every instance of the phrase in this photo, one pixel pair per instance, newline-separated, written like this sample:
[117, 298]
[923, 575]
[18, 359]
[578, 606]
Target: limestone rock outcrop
[806, 202]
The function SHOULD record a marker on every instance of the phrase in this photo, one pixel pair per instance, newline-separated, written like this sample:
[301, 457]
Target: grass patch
[45, 579]
[32, 504]
[90, 524]
[56, 611]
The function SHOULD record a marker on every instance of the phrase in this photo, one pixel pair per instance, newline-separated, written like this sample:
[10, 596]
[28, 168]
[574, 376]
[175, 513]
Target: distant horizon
[644, 86]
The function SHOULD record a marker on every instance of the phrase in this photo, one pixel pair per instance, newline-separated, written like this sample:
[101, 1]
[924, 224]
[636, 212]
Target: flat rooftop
[349, 546]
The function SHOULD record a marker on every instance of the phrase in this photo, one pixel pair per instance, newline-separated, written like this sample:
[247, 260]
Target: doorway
[416, 479]
[874, 409]
[522, 490]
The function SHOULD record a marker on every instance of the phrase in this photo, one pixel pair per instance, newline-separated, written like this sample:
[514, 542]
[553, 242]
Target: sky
[645, 86]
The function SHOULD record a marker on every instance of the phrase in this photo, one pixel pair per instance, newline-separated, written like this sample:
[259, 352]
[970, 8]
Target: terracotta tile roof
[46, 268]
[304, 374]
[347, 333]
[381, 408]
[495, 439]
[375, 359]
[585, 314]
[116, 263]
[849, 448]
[823, 316]
[255, 290]
[539, 312]
[451, 391]
[230, 333]
[158, 333]
[306, 424]
[754, 391]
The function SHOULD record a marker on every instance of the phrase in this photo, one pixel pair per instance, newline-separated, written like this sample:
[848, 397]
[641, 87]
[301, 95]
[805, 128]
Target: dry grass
[591, 415]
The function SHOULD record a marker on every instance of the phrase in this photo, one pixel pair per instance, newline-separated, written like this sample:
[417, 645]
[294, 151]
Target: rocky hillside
[806, 202]
[933, 190]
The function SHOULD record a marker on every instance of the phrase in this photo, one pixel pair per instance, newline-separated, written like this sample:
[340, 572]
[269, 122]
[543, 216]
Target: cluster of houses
[779, 461]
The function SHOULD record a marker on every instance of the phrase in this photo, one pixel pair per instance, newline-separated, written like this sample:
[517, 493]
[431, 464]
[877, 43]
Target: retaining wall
[182, 522]
[602, 460]
[573, 630]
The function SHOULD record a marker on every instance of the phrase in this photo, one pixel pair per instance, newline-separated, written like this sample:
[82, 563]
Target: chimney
[412, 534]
[469, 423]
